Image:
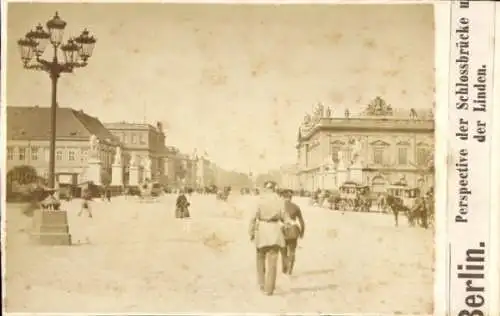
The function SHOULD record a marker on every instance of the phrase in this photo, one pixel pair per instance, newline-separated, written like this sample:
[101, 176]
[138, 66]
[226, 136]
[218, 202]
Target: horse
[396, 205]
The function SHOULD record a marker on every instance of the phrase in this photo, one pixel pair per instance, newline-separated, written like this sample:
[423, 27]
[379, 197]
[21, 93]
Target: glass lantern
[27, 48]
[56, 29]
[41, 38]
[70, 51]
[86, 45]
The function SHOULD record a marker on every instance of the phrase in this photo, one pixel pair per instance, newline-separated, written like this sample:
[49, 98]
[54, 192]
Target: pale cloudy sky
[233, 80]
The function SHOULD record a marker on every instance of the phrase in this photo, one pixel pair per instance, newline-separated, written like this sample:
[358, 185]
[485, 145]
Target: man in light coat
[266, 231]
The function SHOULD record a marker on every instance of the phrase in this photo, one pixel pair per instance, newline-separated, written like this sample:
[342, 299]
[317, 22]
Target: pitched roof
[129, 126]
[33, 123]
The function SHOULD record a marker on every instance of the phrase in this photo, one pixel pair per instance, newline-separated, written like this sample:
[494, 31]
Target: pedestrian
[293, 229]
[266, 231]
[87, 197]
[85, 214]
[108, 194]
[182, 206]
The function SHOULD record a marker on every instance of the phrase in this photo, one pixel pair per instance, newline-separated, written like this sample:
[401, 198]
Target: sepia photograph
[219, 158]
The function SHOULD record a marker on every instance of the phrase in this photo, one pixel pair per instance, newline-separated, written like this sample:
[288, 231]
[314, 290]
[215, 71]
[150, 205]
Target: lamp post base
[50, 227]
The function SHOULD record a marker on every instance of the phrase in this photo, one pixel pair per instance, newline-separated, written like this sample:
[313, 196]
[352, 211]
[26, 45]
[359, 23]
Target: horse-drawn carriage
[355, 197]
[410, 201]
[150, 191]
[222, 195]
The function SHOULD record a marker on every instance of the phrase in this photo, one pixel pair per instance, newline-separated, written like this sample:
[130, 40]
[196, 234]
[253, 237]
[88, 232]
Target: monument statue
[133, 159]
[94, 146]
[147, 163]
[118, 156]
[357, 148]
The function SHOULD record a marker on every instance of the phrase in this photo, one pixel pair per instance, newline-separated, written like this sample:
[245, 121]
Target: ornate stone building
[376, 147]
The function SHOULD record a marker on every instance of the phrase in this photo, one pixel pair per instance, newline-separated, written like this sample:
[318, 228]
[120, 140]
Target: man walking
[266, 231]
[294, 227]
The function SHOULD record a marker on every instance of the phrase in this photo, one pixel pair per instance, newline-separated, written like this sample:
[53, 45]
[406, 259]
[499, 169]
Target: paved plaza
[142, 259]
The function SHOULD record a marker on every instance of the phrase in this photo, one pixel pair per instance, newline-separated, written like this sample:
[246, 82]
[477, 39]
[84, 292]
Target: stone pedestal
[50, 227]
[356, 173]
[94, 171]
[133, 176]
[342, 173]
[116, 175]
[147, 174]
[330, 181]
[342, 177]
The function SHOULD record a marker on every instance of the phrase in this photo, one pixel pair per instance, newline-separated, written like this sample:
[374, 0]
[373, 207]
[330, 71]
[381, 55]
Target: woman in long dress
[182, 206]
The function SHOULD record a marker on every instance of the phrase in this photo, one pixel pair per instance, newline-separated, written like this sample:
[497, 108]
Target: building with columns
[376, 147]
[28, 142]
[143, 141]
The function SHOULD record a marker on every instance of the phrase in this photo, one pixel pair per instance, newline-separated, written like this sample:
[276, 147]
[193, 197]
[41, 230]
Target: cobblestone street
[142, 259]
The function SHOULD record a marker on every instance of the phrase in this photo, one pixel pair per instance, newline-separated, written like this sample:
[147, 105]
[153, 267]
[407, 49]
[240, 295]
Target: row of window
[42, 154]
[380, 157]
[134, 138]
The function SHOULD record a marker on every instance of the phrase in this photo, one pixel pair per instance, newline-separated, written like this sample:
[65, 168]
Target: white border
[495, 183]
[442, 16]
[442, 26]
[3, 138]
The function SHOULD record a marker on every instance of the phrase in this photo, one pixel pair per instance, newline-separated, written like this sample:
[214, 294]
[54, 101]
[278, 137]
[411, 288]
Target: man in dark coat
[181, 206]
[293, 216]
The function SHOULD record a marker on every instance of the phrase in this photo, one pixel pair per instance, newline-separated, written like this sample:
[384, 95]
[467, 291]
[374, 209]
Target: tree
[23, 174]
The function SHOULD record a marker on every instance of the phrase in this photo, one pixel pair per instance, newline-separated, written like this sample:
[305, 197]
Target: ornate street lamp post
[76, 53]
[52, 227]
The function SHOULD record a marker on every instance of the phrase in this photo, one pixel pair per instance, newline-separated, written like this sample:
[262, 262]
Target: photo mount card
[469, 159]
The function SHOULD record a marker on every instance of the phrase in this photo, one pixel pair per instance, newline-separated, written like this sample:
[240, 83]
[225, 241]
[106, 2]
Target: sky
[234, 81]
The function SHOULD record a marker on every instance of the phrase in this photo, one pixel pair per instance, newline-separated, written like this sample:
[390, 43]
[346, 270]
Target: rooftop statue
[320, 110]
[307, 120]
[378, 107]
[328, 112]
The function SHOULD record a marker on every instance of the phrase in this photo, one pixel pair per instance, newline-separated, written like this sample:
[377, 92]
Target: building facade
[171, 166]
[28, 135]
[376, 147]
[143, 141]
[204, 171]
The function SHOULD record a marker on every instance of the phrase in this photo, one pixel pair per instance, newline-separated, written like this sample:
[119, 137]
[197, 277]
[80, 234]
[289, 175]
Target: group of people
[275, 227]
